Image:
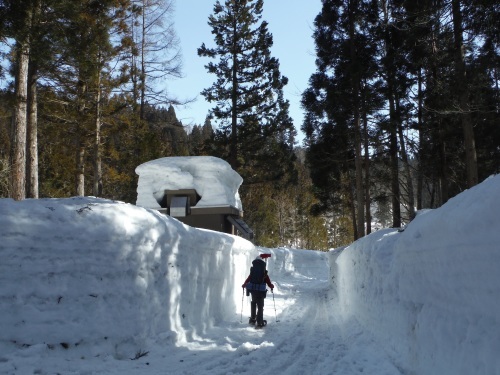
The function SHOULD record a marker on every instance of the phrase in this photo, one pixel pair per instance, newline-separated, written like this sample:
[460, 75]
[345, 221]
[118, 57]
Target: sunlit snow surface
[92, 286]
[212, 178]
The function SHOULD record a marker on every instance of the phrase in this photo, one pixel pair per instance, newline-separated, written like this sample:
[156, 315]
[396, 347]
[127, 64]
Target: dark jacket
[267, 280]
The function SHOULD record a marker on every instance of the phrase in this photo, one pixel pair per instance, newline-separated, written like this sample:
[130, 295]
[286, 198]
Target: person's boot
[261, 324]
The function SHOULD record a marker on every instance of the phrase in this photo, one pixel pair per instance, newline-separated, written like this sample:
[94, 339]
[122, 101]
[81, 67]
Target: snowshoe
[261, 325]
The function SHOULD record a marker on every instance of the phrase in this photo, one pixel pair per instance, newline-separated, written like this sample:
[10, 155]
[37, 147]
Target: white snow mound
[212, 178]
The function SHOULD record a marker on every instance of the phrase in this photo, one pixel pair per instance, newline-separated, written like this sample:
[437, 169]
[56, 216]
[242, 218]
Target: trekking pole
[275, 315]
[242, 298]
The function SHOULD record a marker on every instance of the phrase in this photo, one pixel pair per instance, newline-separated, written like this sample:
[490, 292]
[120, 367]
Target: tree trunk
[393, 121]
[80, 169]
[420, 173]
[352, 208]
[360, 193]
[355, 84]
[79, 141]
[133, 64]
[142, 78]
[443, 167]
[33, 132]
[406, 165]
[32, 166]
[97, 146]
[20, 122]
[233, 148]
[439, 183]
[463, 96]
[393, 153]
[367, 167]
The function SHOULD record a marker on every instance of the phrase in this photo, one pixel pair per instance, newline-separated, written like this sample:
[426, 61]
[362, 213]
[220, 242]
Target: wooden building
[181, 204]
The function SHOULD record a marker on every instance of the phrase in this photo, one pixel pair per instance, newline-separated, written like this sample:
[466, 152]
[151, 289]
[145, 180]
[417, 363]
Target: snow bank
[212, 178]
[430, 294]
[109, 280]
[88, 271]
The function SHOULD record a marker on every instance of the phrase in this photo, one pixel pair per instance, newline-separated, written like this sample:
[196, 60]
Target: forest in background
[401, 114]
[403, 109]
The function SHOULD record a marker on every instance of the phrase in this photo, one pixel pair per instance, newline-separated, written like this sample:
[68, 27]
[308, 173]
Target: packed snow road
[304, 334]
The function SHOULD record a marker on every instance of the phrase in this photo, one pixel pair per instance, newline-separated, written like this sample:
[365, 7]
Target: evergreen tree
[201, 138]
[92, 35]
[169, 132]
[18, 18]
[250, 107]
[4, 145]
[462, 88]
[255, 132]
[445, 39]
[195, 140]
[335, 106]
[435, 64]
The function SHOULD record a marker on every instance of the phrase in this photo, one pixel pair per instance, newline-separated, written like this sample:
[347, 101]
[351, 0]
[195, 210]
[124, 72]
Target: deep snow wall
[430, 294]
[136, 273]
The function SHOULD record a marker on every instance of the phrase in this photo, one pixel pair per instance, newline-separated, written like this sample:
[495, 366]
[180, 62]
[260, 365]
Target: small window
[179, 207]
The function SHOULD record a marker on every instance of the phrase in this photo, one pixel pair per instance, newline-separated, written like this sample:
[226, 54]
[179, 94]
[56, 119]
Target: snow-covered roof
[213, 179]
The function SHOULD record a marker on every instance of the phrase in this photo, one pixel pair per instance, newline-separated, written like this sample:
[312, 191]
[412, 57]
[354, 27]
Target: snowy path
[308, 338]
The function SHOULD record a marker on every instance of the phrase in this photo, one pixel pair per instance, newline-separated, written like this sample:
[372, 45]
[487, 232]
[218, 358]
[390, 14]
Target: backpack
[257, 275]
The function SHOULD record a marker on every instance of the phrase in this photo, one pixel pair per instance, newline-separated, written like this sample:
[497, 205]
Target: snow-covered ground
[91, 286]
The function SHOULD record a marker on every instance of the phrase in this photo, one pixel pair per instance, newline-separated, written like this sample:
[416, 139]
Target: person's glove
[243, 286]
[272, 287]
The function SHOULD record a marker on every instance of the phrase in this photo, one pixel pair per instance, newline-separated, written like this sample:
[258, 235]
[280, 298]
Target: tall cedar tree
[88, 40]
[420, 48]
[334, 107]
[253, 115]
[18, 22]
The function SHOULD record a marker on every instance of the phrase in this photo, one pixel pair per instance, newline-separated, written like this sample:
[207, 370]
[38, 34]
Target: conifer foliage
[86, 102]
[255, 132]
[250, 109]
[402, 112]
[399, 105]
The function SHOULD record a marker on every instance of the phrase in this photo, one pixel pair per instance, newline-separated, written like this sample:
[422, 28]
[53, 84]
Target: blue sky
[290, 23]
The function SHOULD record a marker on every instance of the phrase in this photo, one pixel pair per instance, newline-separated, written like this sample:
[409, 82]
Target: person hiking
[256, 285]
